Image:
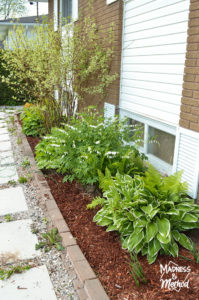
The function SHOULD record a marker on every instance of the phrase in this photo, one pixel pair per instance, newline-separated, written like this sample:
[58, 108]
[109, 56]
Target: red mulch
[103, 249]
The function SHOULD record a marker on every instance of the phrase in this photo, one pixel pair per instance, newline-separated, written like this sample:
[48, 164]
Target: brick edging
[88, 286]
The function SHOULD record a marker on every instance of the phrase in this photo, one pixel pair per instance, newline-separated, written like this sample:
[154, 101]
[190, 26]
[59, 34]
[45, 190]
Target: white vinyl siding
[153, 58]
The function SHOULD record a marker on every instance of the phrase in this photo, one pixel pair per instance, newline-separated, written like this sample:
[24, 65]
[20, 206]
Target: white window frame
[161, 165]
[55, 8]
[110, 1]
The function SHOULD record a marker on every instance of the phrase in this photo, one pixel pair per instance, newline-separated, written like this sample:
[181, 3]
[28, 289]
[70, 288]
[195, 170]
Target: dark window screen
[67, 9]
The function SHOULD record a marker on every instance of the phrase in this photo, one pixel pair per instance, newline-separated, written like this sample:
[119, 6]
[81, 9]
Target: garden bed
[103, 249]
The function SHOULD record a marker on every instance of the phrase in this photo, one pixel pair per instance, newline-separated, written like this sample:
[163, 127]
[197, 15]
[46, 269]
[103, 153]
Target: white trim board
[110, 1]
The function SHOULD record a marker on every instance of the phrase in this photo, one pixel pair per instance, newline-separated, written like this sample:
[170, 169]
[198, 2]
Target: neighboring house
[6, 26]
[157, 57]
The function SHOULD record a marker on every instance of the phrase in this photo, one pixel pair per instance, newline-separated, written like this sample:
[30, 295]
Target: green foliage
[150, 212]
[8, 218]
[12, 182]
[195, 253]
[74, 60]
[12, 130]
[52, 238]
[9, 8]
[23, 179]
[87, 145]
[12, 120]
[32, 121]
[25, 163]
[137, 270]
[7, 273]
[19, 141]
[10, 93]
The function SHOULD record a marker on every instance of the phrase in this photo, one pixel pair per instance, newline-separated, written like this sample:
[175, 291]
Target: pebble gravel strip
[60, 269]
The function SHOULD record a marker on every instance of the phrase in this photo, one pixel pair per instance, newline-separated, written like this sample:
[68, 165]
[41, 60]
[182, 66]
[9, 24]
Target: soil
[105, 255]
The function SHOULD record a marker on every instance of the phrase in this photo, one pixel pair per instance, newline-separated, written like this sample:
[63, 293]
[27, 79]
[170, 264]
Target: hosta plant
[89, 144]
[150, 212]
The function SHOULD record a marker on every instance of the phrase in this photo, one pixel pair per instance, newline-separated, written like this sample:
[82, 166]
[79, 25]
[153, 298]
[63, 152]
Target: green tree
[11, 8]
[74, 61]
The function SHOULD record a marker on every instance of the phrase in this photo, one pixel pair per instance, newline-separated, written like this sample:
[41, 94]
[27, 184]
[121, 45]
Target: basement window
[157, 140]
[162, 144]
[137, 126]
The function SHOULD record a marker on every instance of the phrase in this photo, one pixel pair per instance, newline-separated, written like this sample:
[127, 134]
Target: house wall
[154, 50]
[105, 15]
[189, 117]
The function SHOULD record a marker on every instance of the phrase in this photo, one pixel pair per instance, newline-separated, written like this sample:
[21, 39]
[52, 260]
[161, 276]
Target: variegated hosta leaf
[139, 247]
[153, 213]
[183, 240]
[147, 209]
[164, 227]
[173, 211]
[134, 239]
[140, 223]
[190, 218]
[173, 249]
[151, 259]
[151, 231]
[162, 239]
[154, 247]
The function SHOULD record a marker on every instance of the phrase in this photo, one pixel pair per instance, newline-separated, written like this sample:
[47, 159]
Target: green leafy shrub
[10, 93]
[88, 144]
[150, 212]
[33, 121]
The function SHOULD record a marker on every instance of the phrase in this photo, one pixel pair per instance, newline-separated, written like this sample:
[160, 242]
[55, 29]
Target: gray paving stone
[3, 131]
[3, 124]
[4, 137]
[12, 200]
[8, 173]
[5, 146]
[2, 115]
[33, 284]
[17, 241]
[6, 158]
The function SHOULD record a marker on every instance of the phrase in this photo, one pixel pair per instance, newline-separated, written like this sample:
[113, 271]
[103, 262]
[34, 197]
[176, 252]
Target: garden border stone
[87, 285]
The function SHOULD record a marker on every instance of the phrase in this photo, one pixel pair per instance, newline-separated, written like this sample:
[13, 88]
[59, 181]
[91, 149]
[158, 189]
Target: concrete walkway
[17, 242]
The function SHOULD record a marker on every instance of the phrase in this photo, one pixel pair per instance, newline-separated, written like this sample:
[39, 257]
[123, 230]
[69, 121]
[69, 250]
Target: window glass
[67, 10]
[137, 126]
[161, 144]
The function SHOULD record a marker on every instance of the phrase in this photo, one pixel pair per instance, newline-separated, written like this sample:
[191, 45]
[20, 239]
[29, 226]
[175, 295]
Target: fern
[97, 201]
